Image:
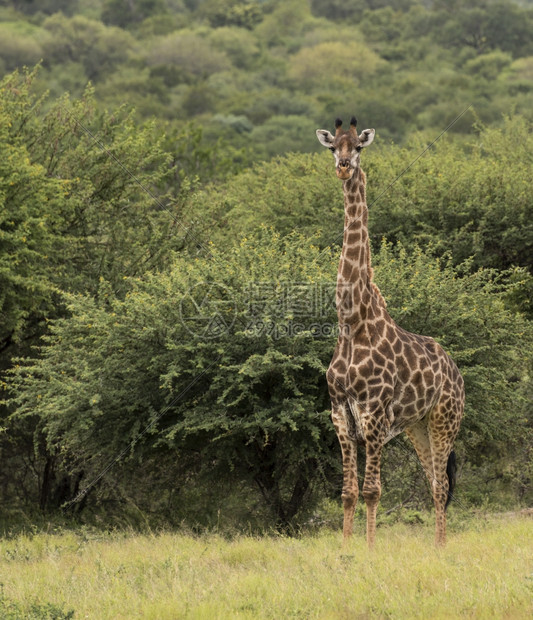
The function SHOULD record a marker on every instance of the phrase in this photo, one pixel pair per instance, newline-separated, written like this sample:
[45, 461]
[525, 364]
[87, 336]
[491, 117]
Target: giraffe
[382, 379]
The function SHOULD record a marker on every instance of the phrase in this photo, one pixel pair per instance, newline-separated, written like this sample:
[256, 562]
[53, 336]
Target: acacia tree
[29, 202]
[220, 357]
[83, 196]
[219, 363]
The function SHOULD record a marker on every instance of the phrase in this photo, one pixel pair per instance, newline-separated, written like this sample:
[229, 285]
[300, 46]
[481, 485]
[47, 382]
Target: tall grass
[485, 572]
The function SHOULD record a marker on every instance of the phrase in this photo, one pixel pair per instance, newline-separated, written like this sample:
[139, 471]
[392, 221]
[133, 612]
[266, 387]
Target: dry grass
[485, 572]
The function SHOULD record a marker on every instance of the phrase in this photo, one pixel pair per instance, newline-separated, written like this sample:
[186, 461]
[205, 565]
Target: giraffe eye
[358, 148]
[332, 149]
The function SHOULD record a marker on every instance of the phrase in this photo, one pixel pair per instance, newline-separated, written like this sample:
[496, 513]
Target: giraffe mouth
[344, 172]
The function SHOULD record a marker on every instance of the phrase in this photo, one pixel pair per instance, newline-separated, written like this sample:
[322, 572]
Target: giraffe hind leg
[419, 436]
[438, 466]
[442, 434]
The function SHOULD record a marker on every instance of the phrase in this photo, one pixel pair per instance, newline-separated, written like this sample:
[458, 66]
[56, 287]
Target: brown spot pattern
[382, 379]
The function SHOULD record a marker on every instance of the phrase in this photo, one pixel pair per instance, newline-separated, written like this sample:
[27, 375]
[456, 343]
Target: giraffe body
[382, 379]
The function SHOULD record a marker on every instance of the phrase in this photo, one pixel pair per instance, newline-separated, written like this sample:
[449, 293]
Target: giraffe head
[346, 146]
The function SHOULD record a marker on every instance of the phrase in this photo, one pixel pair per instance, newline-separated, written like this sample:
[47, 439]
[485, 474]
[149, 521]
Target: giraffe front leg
[440, 488]
[350, 488]
[372, 487]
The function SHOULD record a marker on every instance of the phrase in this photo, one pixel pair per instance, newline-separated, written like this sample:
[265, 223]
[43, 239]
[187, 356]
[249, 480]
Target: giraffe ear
[325, 138]
[366, 137]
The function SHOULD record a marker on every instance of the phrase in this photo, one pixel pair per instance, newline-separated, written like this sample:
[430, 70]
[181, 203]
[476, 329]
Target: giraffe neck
[358, 300]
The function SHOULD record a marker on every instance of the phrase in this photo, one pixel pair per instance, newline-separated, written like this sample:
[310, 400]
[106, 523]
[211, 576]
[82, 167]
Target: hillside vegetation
[169, 237]
[262, 74]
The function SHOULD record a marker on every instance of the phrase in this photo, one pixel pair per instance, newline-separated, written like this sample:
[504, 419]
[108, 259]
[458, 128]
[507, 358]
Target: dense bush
[109, 219]
[221, 363]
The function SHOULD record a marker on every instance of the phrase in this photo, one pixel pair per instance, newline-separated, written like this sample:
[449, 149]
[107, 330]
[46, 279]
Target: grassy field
[485, 571]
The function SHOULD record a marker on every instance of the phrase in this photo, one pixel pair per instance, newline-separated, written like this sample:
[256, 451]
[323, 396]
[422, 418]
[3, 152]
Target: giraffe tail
[451, 470]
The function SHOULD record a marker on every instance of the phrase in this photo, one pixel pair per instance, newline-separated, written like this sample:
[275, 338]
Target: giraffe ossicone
[382, 379]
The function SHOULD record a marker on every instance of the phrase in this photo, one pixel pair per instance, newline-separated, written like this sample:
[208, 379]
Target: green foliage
[196, 158]
[221, 361]
[338, 9]
[45, 6]
[88, 195]
[241, 13]
[114, 178]
[124, 13]
[519, 74]
[84, 196]
[18, 48]
[187, 52]
[488, 66]
[79, 39]
[490, 25]
[294, 192]
[289, 19]
[240, 45]
[473, 202]
[29, 204]
[404, 66]
[92, 199]
[332, 64]
[258, 405]
[274, 135]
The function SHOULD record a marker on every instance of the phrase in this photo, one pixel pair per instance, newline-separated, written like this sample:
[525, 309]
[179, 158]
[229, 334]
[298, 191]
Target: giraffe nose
[344, 163]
